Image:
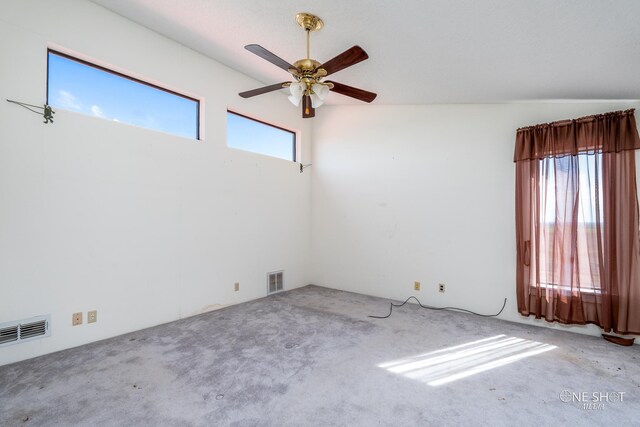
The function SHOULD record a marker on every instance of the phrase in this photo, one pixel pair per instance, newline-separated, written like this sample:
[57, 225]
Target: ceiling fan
[308, 87]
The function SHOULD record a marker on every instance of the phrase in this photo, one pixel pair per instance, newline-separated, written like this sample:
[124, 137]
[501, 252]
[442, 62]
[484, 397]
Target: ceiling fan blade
[269, 56]
[261, 90]
[307, 109]
[346, 59]
[353, 92]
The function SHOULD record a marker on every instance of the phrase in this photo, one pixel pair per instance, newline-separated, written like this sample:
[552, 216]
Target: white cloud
[67, 100]
[97, 111]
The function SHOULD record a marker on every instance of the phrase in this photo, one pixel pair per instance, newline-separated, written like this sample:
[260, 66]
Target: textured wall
[142, 226]
[423, 193]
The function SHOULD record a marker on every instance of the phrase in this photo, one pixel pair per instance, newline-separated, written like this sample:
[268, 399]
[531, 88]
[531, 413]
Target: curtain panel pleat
[577, 222]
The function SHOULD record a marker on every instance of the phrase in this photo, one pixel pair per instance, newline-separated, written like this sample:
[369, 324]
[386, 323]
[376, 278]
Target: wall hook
[303, 167]
[47, 112]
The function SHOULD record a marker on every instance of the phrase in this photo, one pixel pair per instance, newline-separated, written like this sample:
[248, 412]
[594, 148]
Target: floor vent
[24, 330]
[275, 282]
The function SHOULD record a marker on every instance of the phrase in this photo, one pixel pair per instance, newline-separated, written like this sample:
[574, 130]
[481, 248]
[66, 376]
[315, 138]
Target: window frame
[292, 132]
[71, 57]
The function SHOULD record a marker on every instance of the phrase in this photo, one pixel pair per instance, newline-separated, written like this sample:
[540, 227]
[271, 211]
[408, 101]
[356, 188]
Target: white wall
[142, 226]
[423, 193]
[148, 228]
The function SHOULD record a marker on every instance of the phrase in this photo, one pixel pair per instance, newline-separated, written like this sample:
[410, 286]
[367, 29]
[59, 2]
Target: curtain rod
[584, 119]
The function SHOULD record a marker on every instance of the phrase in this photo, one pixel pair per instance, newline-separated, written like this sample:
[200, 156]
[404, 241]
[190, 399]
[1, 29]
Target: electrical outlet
[92, 316]
[76, 319]
[236, 286]
[416, 286]
[441, 287]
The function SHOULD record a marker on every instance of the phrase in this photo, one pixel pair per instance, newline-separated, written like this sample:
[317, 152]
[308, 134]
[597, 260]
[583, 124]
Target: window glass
[78, 86]
[248, 134]
[561, 192]
[588, 184]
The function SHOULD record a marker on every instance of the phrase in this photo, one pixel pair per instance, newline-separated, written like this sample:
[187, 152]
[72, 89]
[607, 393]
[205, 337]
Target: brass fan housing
[308, 69]
[309, 22]
[306, 64]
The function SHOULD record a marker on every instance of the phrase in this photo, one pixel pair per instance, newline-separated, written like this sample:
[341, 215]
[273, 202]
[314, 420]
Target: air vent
[33, 329]
[9, 334]
[275, 281]
[24, 330]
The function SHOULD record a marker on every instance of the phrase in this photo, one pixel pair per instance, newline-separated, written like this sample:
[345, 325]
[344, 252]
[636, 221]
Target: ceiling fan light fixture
[308, 87]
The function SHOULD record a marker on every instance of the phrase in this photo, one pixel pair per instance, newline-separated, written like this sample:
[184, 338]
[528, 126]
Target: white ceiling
[423, 51]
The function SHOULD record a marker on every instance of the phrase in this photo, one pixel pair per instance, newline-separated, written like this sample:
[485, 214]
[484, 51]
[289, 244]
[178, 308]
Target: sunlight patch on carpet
[453, 363]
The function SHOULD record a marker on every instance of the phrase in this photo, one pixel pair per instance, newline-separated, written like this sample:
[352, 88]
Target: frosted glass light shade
[321, 90]
[295, 101]
[319, 94]
[297, 90]
[316, 101]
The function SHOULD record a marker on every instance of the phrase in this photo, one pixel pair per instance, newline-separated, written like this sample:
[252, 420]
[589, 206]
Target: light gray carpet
[312, 357]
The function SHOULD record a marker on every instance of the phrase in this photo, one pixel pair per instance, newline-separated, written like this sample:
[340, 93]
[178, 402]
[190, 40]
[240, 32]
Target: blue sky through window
[250, 135]
[79, 87]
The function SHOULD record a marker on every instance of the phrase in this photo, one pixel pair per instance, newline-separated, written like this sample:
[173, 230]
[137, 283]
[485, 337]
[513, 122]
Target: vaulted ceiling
[423, 51]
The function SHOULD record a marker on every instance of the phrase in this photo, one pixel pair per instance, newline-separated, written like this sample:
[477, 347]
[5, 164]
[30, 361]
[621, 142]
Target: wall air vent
[24, 330]
[8, 334]
[275, 282]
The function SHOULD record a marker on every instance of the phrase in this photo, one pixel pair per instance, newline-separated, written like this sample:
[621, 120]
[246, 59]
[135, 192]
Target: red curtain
[577, 225]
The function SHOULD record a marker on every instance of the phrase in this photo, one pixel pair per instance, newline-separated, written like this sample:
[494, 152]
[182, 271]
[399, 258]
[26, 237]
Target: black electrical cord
[24, 105]
[439, 308]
